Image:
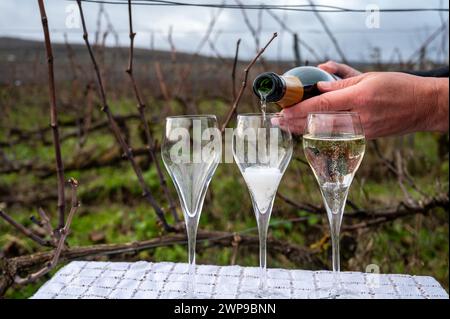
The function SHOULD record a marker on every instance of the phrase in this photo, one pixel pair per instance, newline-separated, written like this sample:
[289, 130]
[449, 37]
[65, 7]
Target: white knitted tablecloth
[143, 280]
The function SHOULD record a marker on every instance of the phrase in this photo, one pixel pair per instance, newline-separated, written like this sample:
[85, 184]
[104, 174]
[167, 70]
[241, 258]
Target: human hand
[388, 103]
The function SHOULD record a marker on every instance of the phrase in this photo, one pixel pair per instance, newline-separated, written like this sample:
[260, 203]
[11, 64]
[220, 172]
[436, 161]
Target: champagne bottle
[292, 87]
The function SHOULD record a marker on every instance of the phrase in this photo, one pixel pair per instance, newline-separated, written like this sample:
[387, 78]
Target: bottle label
[294, 91]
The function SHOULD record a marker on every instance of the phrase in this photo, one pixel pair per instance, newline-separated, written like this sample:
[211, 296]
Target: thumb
[343, 70]
[329, 66]
[338, 85]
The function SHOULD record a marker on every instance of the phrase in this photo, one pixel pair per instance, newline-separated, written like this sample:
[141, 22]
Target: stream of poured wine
[263, 101]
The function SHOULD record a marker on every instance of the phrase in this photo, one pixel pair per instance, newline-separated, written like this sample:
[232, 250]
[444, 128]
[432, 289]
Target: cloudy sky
[405, 31]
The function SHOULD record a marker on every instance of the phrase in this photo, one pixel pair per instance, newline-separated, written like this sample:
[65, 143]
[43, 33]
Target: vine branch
[54, 116]
[141, 108]
[128, 152]
[235, 104]
[63, 233]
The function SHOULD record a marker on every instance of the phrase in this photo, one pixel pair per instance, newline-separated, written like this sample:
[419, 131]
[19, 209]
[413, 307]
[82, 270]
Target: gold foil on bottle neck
[293, 91]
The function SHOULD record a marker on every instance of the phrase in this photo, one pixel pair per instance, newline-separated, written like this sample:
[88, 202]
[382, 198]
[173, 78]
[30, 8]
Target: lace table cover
[114, 280]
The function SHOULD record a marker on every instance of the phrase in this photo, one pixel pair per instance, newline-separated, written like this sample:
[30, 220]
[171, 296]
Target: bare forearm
[437, 117]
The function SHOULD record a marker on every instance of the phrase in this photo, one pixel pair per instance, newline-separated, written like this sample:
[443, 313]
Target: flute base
[190, 295]
[261, 294]
[333, 293]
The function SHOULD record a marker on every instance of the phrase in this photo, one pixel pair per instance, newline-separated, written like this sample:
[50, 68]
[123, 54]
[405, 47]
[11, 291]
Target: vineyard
[81, 175]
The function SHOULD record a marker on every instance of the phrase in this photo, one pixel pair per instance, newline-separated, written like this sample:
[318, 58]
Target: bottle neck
[285, 90]
[294, 91]
[269, 86]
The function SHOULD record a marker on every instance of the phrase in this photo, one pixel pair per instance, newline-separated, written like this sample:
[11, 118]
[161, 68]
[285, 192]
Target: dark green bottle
[292, 87]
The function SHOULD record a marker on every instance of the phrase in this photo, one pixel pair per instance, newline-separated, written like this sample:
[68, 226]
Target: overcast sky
[406, 31]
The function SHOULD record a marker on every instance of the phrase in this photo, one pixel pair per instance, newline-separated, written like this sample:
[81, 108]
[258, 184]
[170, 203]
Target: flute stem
[263, 224]
[335, 214]
[335, 231]
[335, 225]
[191, 228]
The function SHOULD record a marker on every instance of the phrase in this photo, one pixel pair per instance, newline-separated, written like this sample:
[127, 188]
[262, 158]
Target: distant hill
[24, 59]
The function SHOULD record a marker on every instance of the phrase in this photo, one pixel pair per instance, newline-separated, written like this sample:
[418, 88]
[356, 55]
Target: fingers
[342, 70]
[338, 85]
[334, 101]
[298, 129]
[338, 96]
[294, 125]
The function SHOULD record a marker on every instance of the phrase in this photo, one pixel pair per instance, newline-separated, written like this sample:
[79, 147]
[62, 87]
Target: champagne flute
[262, 151]
[191, 152]
[334, 146]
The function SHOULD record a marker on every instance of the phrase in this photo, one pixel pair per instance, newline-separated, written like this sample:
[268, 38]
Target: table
[143, 280]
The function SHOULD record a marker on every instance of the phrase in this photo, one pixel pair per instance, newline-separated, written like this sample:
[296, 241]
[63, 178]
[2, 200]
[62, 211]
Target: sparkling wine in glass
[334, 146]
[262, 151]
[191, 151]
